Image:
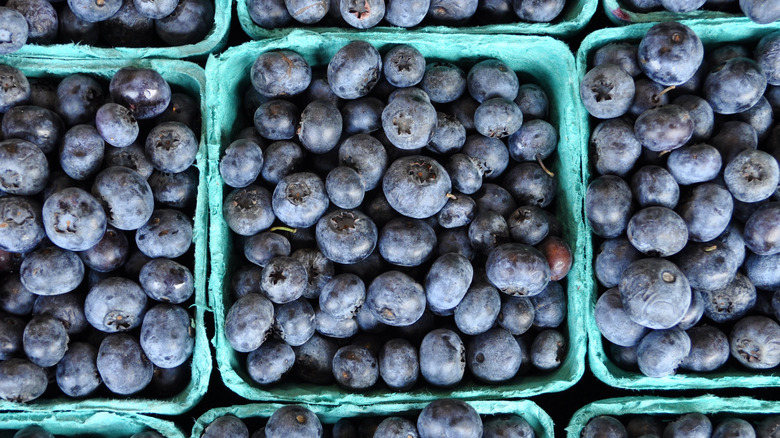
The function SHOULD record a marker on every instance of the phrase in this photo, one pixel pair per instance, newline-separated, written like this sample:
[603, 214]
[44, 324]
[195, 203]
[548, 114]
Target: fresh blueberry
[21, 380]
[538, 12]
[45, 340]
[355, 368]
[707, 211]
[23, 227]
[734, 86]
[189, 23]
[226, 426]
[16, 88]
[115, 305]
[670, 53]
[167, 336]
[73, 219]
[68, 308]
[761, 230]
[366, 155]
[171, 147]
[165, 280]
[548, 350]
[122, 365]
[269, 363]
[517, 269]
[449, 417]
[362, 14]
[731, 302]
[416, 186]
[346, 236]
[498, 117]
[284, 279]
[168, 233]
[299, 200]
[92, 11]
[614, 323]
[342, 296]
[399, 364]
[752, 176]
[77, 374]
[248, 210]
[442, 358]
[51, 271]
[655, 293]
[14, 30]
[709, 349]
[25, 169]
[126, 197]
[660, 352]
[354, 70]
[664, 128]
[607, 91]
[406, 242]
[657, 231]
[290, 421]
[608, 206]
[142, 90]
[409, 122]
[268, 13]
[248, 322]
[40, 126]
[694, 164]
[81, 152]
[395, 299]
[133, 157]
[491, 154]
[177, 190]
[406, 13]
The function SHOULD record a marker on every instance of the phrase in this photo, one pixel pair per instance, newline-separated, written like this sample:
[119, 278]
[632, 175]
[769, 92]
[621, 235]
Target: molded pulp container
[81, 423]
[740, 407]
[539, 420]
[602, 366]
[188, 78]
[213, 42]
[575, 16]
[546, 60]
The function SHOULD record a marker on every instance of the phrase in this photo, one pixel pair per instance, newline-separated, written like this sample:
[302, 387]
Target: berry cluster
[693, 425]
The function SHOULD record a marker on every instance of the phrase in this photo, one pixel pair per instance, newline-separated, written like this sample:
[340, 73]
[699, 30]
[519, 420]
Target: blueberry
[396, 427]
[452, 11]
[533, 101]
[416, 186]
[183, 108]
[11, 337]
[761, 230]
[342, 296]
[284, 279]
[21, 380]
[242, 163]
[45, 340]
[660, 352]
[345, 187]
[248, 322]
[406, 13]
[81, 152]
[366, 155]
[166, 280]
[548, 350]
[759, 11]
[270, 362]
[442, 358]
[126, 197]
[763, 271]
[395, 299]
[447, 281]
[122, 364]
[277, 119]
[177, 190]
[734, 86]
[449, 136]
[530, 184]
[248, 210]
[23, 227]
[694, 425]
[299, 200]
[670, 53]
[171, 147]
[40, 126]
[246, 280]
[457, 212]
[614, 323]
[516, 315]
[655, 293]
[399, 364]
[731, 302]
[354, 70]
[694, 164]
[655, 186]
[115, 305]
[92, 11]
[465, 173]
[360, 116]
[167, 336]
[14, 28]
[362, 14]
[492, 78]
[709, 349]
[346, 236]
[25, 169]
[143, 91]
[68, 308]
[734, 427]
[706, 211]
[752, 176]
[294, 322]
[491, 154]
[268, 13]
[517, 269]
[754, 342]
[320, 126]
[226, 426]
[657, 231]
[549, 306]
[116, 125]
[355, 368]
[607, 91]
[133, 157]
[479, 309]
[14, 297]
[664, 128]
[647, 95]
[189, 23]
[409, 122]
[538, 12]
[403, 65]
[16, 88]
[498, 117]
[291, 421]
[608, 206]
[156, 8]
[406, 242]
[701, 113]
[621, 54]
[493, 356]
[319, 270]
[168, 233]
[73, 219]
[488, 230]
[335, 328]
[766, 55]
[536, 139]
[51, 271]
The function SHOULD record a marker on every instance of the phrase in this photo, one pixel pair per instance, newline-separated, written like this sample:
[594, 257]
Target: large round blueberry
[399, 364]
[478, 310]
[21, 380]
[280, 73]
[291, 421]
[613, 321]
[664, 128]
[670, 53]
[73, 219]
[126, 197]
[755, 342]
[122, 364]
[752, 176]
[607, 91]
[707, 211]
[449, 418]
[165, 280]
[115, 305]
[269, 363]
[81, 152]
[242, 163]
[694, 164]
[762, 230]
[248, 322]
[416, 186]
[608, 206]
[395, 299]
[16, 88]
[661, 352]
[346, 236]
[248, 210]
[15, 30]
[354, 70]
[77, 374]
[409, 122]
[171, 147]
[734, 86]
[492, 78]
[299, 200]
[657, 231]
[167, 336]
[655, 293]
[355, 367]
[709, 349]
[22, 228]
[25, 169]
[493, 356]
[51, 271]
[142, 90]
[406, 242]
[517, 269]
[168, 233]
[283, 279]
[40, 126]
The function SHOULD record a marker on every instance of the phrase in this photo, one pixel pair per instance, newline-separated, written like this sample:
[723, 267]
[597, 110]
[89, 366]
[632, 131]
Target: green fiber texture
[672, 407]
[539, 420]
[82, 423]
[189, 78]
[213, 42]
[620, 13]
[546, 60]
[712, 35]
[574, 17]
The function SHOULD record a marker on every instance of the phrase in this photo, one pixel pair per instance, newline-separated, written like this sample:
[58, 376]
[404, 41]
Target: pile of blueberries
[40, 432]
[365, 14]
[760, 12]
[693, 425]
[438, 419]
[395, 226]
[98, 191]
[686, 201]
[110, 23]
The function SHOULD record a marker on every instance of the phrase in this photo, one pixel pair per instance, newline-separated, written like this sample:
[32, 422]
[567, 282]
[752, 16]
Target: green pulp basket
[620, 13]
[671, 407]
[539, 420]
[575, 16]
[543, 58]
[213, 42]
[191, 79]
[600, 363]
[89, 423]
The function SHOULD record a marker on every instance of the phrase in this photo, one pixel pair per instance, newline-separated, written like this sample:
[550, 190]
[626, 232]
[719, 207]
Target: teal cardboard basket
[543, 58]
[620, 13]
[539, 420]
[213, 42]
[574, 17]
[600, 363]
[88, 423]
[189, 78]
[740, 407]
